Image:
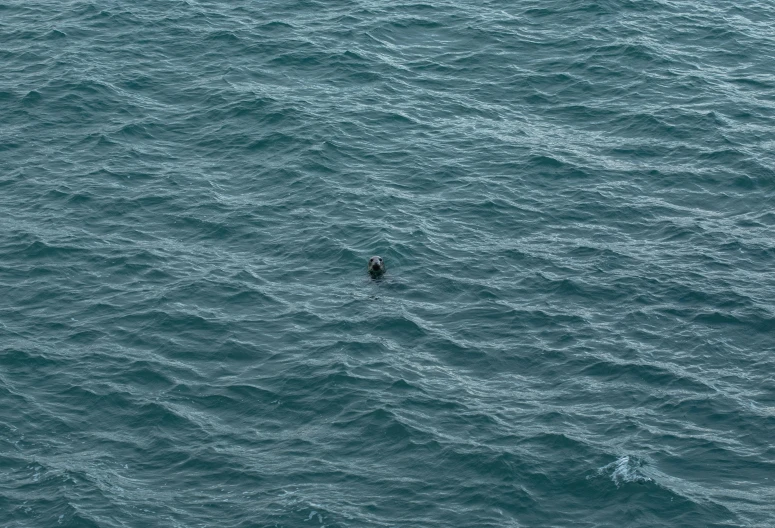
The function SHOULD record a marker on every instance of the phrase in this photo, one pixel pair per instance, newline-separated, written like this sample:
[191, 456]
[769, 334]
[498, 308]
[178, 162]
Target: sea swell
[573, 201]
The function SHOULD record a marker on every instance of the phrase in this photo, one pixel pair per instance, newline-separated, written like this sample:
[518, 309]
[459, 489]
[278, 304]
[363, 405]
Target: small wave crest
[624, 470]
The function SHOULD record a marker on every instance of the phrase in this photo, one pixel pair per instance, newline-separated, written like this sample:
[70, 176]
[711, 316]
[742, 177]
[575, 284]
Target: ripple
[572, 202]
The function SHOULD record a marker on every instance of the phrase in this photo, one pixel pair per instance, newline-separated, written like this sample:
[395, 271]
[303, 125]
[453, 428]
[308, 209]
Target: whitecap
[625, 469]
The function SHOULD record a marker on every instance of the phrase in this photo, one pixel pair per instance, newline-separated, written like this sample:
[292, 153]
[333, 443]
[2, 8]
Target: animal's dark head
[376, 265]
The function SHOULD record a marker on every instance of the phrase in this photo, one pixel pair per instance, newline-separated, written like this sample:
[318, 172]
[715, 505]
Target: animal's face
[376, 265]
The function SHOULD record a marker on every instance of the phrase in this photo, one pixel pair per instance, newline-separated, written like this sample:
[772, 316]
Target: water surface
[574, 201]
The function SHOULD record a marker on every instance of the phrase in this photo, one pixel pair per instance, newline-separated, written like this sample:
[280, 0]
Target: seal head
[376, 266]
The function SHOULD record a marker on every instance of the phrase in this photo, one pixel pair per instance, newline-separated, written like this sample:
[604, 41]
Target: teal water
[574, 201]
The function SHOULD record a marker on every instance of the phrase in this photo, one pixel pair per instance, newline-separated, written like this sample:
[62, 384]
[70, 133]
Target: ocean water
[575, 201]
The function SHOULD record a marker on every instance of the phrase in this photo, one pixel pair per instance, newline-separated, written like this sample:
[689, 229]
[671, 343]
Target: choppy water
[574, 201]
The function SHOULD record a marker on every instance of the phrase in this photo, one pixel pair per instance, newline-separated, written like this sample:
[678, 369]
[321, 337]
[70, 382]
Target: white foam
[625, 469]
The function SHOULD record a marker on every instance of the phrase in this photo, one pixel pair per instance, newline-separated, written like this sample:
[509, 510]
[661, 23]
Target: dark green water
[574, 201]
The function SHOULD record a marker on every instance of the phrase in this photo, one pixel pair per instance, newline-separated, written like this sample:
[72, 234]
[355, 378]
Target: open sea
[575, 201]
